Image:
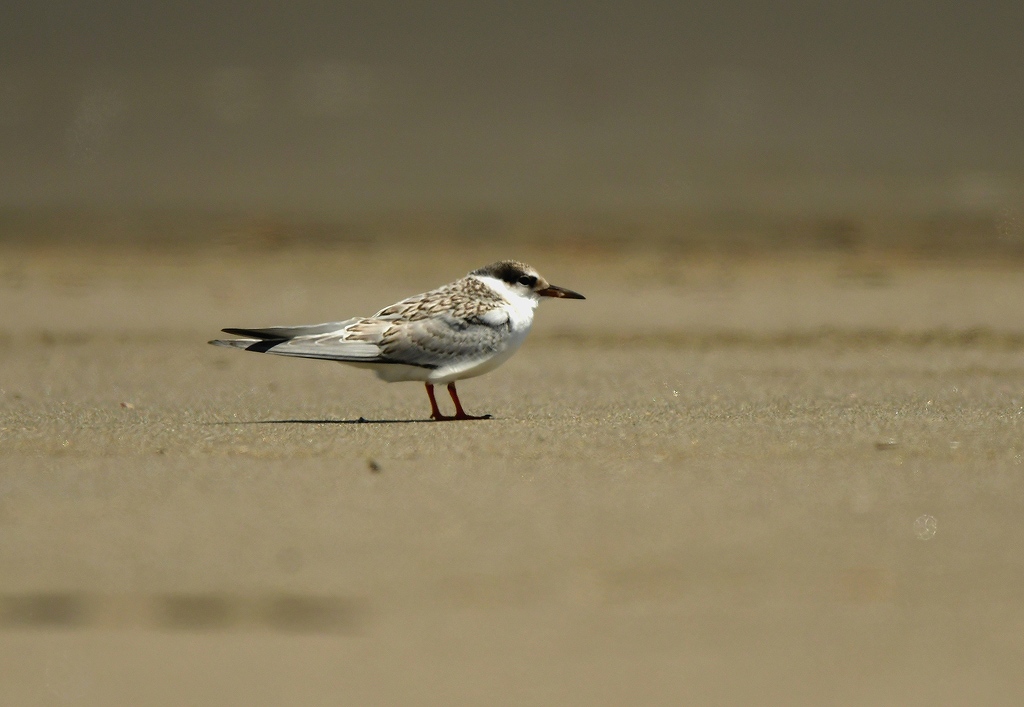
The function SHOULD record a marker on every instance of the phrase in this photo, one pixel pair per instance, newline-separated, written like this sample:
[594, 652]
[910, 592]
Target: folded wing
[429, 343]
[442, 340]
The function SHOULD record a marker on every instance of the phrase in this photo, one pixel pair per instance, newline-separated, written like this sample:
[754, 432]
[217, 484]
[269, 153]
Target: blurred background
[805, 122]
[773, 459]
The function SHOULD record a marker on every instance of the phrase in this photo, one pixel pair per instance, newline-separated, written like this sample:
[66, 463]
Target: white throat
[520, 306]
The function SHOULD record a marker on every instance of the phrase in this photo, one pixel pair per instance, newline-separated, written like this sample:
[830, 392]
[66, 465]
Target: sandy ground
[789, 482]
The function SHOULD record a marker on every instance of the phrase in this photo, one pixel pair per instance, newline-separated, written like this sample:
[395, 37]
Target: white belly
[395, 372]
[480, 366]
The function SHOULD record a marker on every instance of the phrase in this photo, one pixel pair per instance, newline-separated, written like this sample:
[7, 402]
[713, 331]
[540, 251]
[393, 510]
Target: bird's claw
[450, 418]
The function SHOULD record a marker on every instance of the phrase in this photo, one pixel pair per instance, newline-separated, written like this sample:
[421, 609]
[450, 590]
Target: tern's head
[523, 280]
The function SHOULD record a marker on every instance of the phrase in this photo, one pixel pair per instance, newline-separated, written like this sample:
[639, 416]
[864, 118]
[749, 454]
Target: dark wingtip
[265, 345]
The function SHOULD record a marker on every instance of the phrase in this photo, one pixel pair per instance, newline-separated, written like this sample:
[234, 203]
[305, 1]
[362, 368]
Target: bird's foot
[458, 416]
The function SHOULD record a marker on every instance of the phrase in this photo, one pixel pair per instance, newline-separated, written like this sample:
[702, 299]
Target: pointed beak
[556, 291]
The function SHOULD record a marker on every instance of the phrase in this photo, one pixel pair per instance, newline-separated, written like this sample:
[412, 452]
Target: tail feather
[291, 332]
[330, 346]
[259, 345]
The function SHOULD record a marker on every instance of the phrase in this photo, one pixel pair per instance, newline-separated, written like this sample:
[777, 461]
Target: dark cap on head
[506, 270]
[520, 274]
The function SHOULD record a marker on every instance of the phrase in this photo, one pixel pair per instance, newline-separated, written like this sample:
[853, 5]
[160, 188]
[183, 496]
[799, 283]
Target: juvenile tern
[460, 330]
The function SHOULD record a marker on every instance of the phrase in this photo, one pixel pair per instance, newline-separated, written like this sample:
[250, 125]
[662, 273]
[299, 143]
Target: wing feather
[354, 340]
[428, 341]
[442, 340]
[290, 332]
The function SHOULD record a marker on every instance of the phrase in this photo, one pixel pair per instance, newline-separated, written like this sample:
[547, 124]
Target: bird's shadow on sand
[358, 421]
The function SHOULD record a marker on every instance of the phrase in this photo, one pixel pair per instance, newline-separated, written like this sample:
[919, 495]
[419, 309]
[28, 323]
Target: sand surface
[715, 481]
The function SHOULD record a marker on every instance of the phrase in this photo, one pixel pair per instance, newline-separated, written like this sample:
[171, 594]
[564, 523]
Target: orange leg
[460, 414]
[435, 412]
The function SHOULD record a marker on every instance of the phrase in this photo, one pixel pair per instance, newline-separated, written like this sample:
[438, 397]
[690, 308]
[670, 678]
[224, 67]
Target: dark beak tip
[556, 291]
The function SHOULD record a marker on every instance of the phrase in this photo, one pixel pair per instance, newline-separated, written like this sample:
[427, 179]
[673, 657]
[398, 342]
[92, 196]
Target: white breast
[520, 307]
[518, 312]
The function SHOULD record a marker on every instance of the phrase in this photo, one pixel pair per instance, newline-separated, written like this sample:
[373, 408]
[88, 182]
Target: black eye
[528, 280]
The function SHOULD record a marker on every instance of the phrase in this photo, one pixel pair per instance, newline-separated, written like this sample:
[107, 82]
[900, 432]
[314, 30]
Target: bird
[460, 330]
